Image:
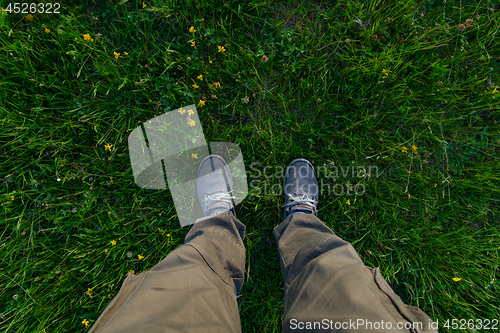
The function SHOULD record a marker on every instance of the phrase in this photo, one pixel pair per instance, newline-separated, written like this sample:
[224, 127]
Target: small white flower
[74, 210]
[15, 296]
[58, 179]
[364, 25]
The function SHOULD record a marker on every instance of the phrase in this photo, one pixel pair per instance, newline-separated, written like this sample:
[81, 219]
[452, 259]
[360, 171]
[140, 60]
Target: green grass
[431, 214]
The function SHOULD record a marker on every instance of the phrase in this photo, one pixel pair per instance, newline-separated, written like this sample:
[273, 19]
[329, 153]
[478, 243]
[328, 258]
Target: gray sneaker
[300, 187]
[214, 185]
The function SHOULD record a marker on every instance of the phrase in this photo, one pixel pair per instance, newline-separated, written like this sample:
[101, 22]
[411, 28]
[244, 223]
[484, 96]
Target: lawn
[409, 90]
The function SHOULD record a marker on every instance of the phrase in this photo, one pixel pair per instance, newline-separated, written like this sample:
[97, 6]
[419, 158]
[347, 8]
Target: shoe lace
[302, 199]
[217, 197]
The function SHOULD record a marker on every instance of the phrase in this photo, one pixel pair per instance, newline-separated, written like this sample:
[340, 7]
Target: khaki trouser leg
[192, 290]
[326, 282]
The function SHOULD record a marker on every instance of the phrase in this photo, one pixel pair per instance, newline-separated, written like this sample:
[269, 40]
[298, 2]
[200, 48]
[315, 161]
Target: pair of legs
[194, 289]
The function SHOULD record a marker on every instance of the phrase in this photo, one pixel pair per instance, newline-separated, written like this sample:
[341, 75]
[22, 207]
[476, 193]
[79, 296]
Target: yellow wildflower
[88, 38]
[385, 71]
[202, 102]
[113, 242]
[190, 112]
[456, 279]
[168, 235]
[181, 111]
[193, 43]
[47, 30]
[126, 53]
[116, 54]
[192, 29]
[414, 147]
[435, 185]
[200, 77]
[144, 5]
[195, 86]
[108, 147]
[348, 202]
[3, 11]
[29, 17]
[85, 322]
[194, 155]
[495, 90]
[89, 292]
[404, 149]
[140, 257]
[191, 123]
[221, 49]
[210, 61]
[131, 271]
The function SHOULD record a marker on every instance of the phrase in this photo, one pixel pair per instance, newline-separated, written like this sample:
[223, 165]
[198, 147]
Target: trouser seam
[209, 264]
[315, 256]
[387, 294]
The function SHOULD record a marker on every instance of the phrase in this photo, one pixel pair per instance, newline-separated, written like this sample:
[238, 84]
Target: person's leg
[327, 286]
[192, 290]
[326, 282]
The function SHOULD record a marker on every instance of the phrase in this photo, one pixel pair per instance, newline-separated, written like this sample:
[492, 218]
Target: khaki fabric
[194, 288]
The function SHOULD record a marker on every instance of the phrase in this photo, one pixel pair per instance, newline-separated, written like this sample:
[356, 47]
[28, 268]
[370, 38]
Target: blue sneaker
[300, 187]
[214, 186]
